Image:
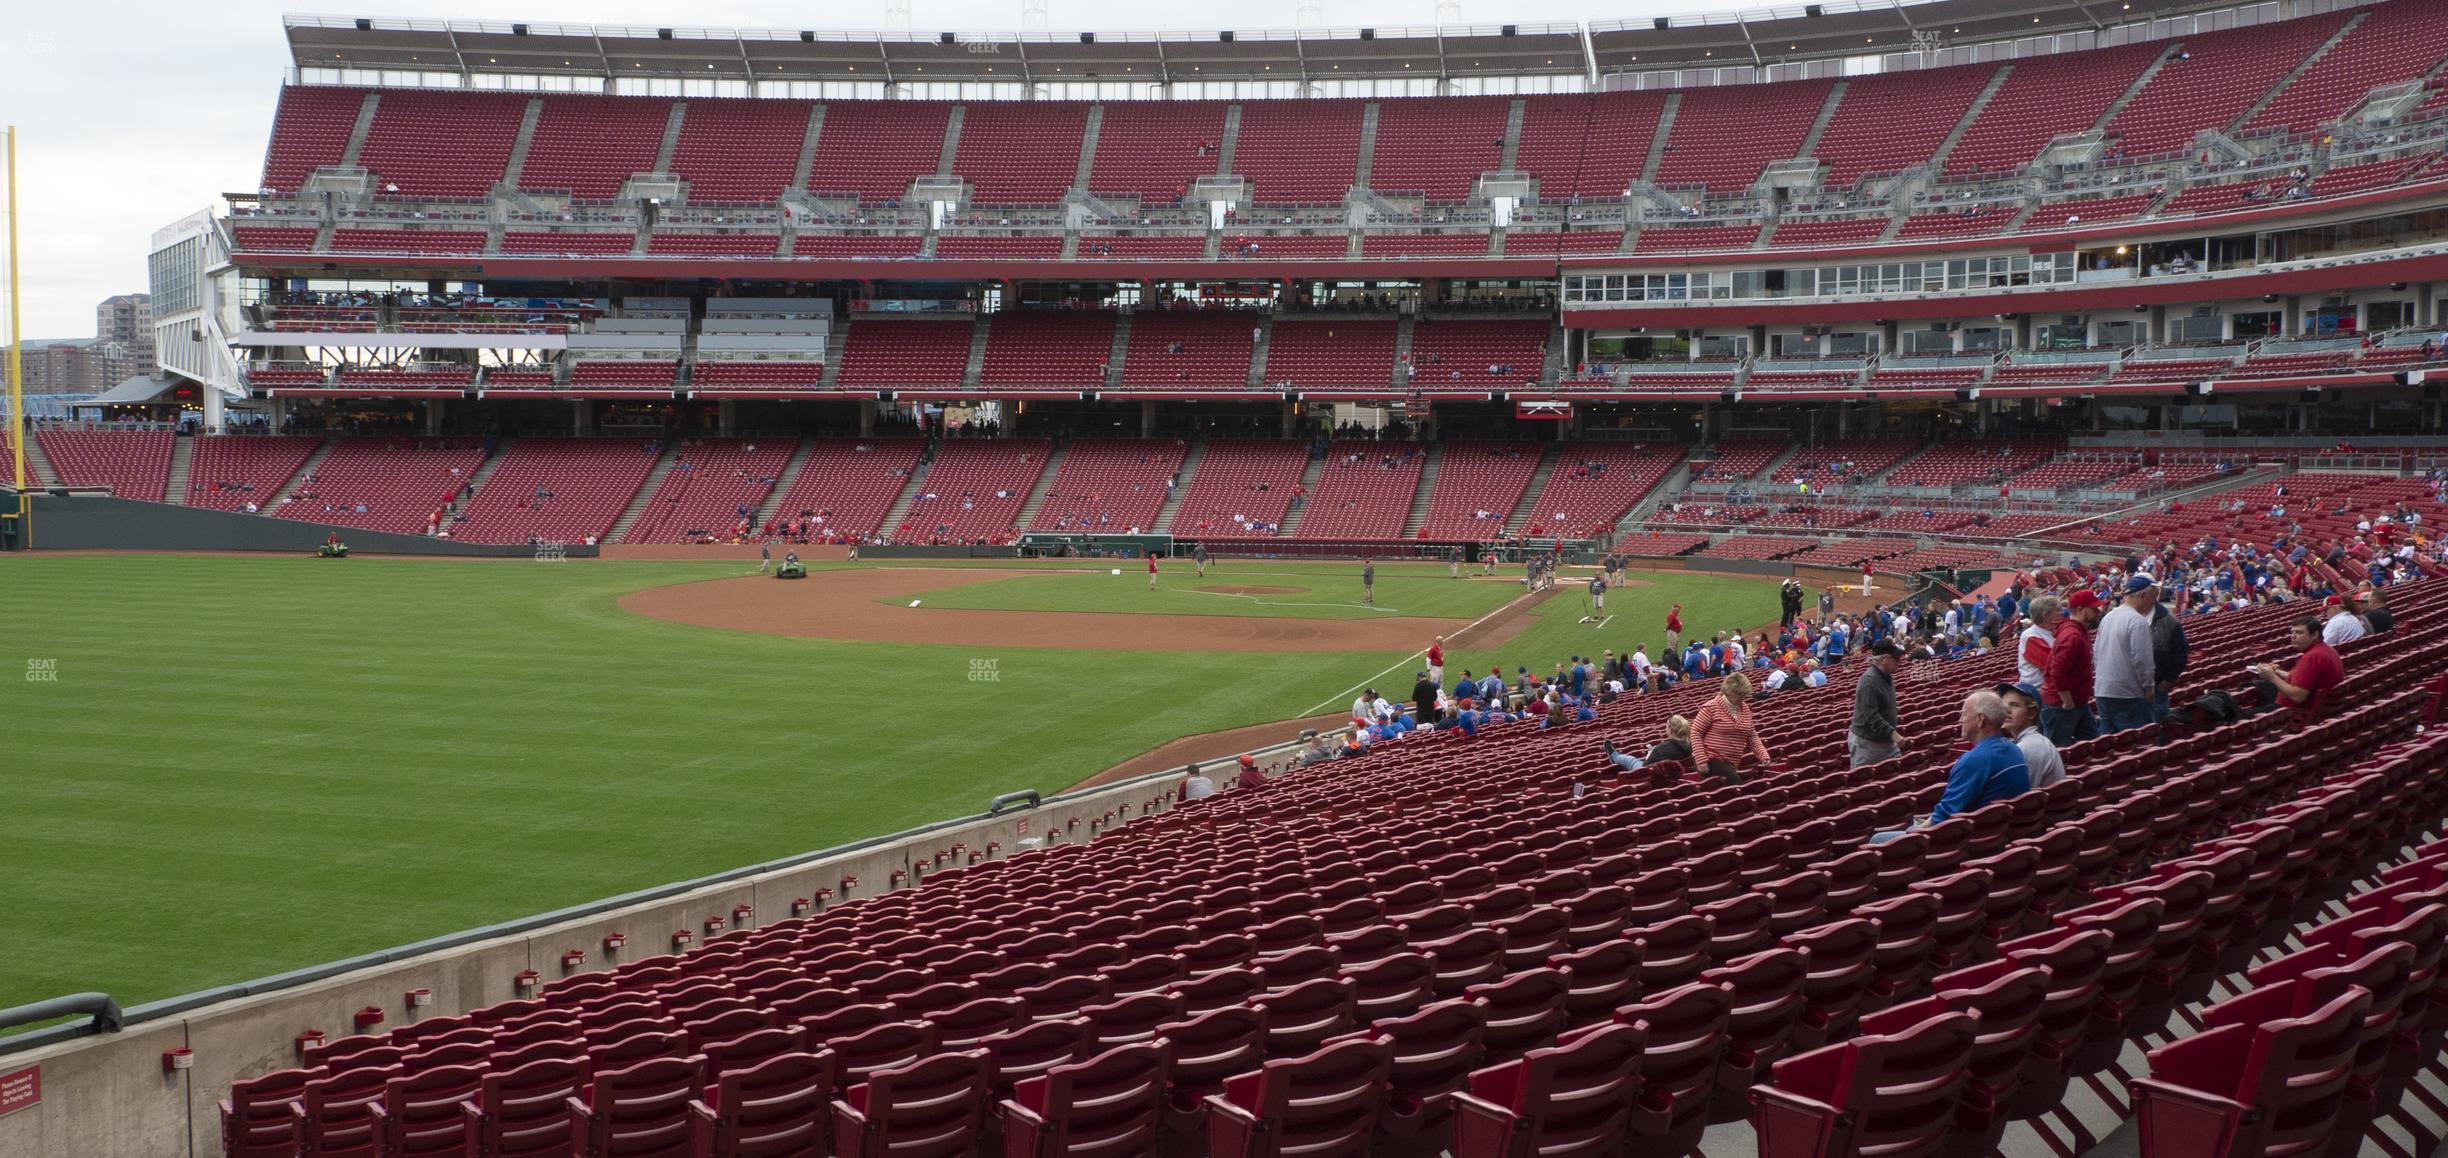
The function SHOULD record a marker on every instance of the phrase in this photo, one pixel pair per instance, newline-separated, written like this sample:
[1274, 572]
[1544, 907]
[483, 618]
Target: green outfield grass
[246, 765]
[1322, 591]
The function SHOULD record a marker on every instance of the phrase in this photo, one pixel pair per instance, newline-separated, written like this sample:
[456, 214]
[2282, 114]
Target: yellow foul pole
[16, 349]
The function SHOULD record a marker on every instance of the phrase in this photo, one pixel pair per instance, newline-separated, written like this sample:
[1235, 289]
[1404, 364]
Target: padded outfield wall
[67, 522]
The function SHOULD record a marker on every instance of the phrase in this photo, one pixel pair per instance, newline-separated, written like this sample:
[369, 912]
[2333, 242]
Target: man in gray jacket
[1872, 738]
[2123, 672]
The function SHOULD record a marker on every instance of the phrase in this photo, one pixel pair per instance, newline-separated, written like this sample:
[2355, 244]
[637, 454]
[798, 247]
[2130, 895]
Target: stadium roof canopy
[1837, 28]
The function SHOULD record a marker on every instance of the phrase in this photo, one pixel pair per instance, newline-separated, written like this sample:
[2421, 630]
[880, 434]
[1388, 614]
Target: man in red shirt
[2065, 691]
[1674, 628]
[1151, 570]
[1250, 776]
[2306, 687]
[1436, 661]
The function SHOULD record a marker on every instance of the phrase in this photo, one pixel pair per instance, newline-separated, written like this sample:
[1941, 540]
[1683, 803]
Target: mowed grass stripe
[255, 764]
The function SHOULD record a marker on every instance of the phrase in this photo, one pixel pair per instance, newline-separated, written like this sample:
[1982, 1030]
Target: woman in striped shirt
[1721, 732]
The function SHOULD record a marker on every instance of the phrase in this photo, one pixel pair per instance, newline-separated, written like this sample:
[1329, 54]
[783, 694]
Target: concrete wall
[106, 1096]
[63, 523]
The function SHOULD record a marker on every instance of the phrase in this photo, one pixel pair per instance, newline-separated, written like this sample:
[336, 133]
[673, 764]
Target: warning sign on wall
[20, 1089]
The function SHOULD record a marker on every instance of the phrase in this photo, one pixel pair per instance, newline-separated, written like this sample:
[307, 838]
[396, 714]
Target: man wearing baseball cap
[1251, 777]
[1872, 736]
[2123, 673]
[2344, 625]
[2065, 690]
[2023, 727]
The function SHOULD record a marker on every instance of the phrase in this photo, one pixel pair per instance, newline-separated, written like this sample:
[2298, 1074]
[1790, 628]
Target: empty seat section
[1331, 353]
[1954, 463]
[1957, 223]
[1438, 147]
[2044, 96]
[425, 143]
[1109, 484]
[708, 481]
[1286, 245]
[1047, 349]
[1594, 485]
[857, 245]
[1723, 137]
[974, 491]
[416, 241]
[1298, 151]
[1239, 485]
[739, 151]
[895, 353]
[1736, 459]
[1846, 460]
[1185, 247]
[556, 489]
[133, 464]
[274, 238]
[1365, 492]
[1188, 349]
[1888, 122]
[567, 244]
[758, 374]
[1153, 150]
[1827, 231]
[713, 244]
[1449, 351]
[873, 149]
[1694, 238]
[1477, 486]
[588, 146]
[1519, 243]
[846, 486]
[2339, 180]
[952, 247]
[1019, 152]
[1587, 146]
[623, 374]
[2396, 42]
[310, 130]
[400, 481]
[2093, 211]
[1424, 245]
[2213, 80]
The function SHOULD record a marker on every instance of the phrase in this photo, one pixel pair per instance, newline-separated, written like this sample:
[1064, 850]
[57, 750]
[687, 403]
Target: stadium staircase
[783, 482]
[1402, 343]
[1514, 114]
[977, 352]
[1427, 487]
[2133, 90]
[1972, 112]
[807, 146]
[1258, 356]
[837, 339]
[38, 464]
[1657, 141]
[1225, 144]
[646, 492]
[951, 141]
[1191, 455]
[305, 470]
[1308, 489]
[1661, 494]
[518, 148]
[182, 466]
[1087, 157]
[1768, 473]
[1368, 146]
[1519, 516]
[2301, 67]
[1818, 129]
[1113, 359]
[484, 470]
[1043, 486]
[916, 486]
[671, 137]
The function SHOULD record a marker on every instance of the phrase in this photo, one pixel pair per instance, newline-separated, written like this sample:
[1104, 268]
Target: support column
[582, 416]
[214, 410]
[280, 416]
[726, 416]
[1147, 418]
[433, 416]
[867, 417]
[1291, 419]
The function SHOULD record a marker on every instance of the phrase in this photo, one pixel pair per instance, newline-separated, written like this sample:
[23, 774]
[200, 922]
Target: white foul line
[1397, 665]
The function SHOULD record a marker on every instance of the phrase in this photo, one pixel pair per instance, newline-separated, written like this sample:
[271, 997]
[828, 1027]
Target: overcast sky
[135, 114]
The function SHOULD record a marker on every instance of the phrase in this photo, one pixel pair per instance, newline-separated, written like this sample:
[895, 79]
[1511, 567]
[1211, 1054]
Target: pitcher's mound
[1255, 590]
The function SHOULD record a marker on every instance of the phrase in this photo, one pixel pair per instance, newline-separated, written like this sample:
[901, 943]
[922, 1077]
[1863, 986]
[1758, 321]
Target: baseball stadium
[682, 592]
